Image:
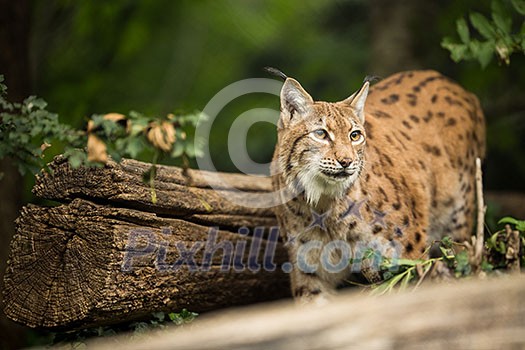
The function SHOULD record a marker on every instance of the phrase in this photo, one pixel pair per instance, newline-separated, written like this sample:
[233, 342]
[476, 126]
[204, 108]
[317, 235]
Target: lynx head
[320, 144]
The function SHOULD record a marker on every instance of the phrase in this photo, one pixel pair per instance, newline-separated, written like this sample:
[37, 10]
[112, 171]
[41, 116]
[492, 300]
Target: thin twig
[513, 249]
[422, 274]
[479, 242]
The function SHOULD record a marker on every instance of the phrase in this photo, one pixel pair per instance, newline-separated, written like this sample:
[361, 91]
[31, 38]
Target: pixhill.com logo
[253, 250]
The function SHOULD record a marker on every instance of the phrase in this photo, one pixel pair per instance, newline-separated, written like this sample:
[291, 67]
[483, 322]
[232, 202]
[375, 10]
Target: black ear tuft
[372, 78]
[276, 72]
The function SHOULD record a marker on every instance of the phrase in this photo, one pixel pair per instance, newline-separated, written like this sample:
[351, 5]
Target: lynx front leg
[308, 288]
[309, 281]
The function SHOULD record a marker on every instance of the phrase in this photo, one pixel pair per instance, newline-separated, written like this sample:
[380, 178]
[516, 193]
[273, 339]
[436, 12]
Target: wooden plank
[471, 314]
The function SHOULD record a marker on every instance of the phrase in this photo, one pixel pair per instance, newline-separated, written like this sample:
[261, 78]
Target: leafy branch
[27, 130]
[503, 251]
[400, 273]
[507, 245]
[495, 35]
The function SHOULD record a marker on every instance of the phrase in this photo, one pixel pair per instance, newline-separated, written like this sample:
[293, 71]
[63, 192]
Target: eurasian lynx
[390, 167]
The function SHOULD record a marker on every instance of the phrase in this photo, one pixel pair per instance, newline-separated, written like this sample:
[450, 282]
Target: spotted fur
[392, 165]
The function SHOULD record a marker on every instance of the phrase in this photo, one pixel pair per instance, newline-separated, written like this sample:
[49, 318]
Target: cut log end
[103, 261]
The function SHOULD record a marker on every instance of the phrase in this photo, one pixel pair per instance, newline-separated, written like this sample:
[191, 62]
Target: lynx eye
[321, 134]
[356, 136]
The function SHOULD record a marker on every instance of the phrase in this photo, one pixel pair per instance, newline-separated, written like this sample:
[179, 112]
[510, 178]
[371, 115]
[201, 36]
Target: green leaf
[519, 5]
[495, 243]
[462, 28]
[463, 266]
[483, 26]
[407, 262]
[178, 149]
[184, 316]
[199, 147]
[502, 248]
[445, 253]
[395, 280]
[75, 157]
[134, 146]
[485, 53]
[406, 280]
[493, 240]
[458, 52]
[116, 156]
[486, 266]
[159, 316]
[446, 242]
[520, 224]
[387, 275]
[190, 149]
[501, 17]
[34, 102]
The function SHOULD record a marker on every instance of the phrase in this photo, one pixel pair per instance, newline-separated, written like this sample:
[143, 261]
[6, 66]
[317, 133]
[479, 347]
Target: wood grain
[107, 254]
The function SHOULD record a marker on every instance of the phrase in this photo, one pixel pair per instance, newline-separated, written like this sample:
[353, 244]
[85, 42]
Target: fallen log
[193, 194]
[471, 314]
[107, 254]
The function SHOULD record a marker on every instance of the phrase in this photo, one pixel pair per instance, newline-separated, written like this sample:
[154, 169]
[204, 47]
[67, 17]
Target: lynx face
[328, 141]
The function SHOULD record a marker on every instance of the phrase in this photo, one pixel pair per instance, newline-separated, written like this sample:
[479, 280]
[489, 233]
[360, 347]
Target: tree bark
[183, 193]
[392, 36]
[473, 314]
[14, 65]
[108, 254]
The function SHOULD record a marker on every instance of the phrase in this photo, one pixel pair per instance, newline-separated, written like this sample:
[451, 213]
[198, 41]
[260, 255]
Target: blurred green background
[156, 57]
[161, 56]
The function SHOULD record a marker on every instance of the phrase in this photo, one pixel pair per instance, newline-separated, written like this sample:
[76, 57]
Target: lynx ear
[357, 101]
[295, 101]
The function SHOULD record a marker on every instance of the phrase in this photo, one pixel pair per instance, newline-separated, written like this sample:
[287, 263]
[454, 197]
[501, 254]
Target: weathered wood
[179, 193]
[471, 314]
[68, 267]
[109, 255]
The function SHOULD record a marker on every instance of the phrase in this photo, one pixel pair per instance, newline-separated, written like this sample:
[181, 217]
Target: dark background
[156, 57]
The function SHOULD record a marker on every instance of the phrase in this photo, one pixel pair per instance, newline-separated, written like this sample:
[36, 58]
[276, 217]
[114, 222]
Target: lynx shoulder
[391, 167]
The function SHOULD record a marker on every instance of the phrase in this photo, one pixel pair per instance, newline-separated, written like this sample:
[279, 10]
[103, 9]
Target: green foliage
[182, 317]
[162, 320]
[159, 320]
[129, 136]
[519, 224]
[496, 35]
[462, 266]
[28, 129]
[497, 243]
[400, 274]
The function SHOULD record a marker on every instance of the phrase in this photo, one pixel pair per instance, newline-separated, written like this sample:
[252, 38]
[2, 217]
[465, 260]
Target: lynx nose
[345, 162]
